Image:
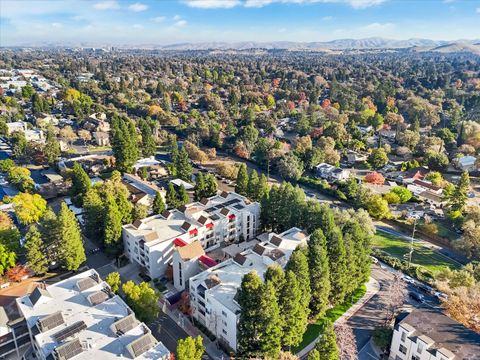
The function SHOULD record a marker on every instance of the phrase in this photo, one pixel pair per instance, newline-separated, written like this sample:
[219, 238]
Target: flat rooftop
[85, 315]
[445, 332]
[168, 226]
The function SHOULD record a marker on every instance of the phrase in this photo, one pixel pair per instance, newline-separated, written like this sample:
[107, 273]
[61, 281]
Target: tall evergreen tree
[123, 137]
[262, 187]
[253, 185]
[211, 186]
[81, 183]
[158, 204]
[70, 247]
[298, 264]
[182, 196]
[51, 148]
[337, 265]
[275, 276]
[35, 251]
[112, 231]
[148, 142]
[458, 199]
[171, 197]
[242, 180]
[270, 321]
[199, 192]
[319, 274]
[249, 327]
[327, 344]
[183, 165]
[94, 216]
[294, 316]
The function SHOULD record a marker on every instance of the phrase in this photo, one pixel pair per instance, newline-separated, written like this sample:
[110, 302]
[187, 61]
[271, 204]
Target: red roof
[179, 242]
[207, 261]
[231, 216]
[209, 225]
[193, 232]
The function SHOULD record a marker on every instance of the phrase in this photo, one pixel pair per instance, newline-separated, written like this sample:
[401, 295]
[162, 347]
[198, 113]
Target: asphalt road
[167, 331]
[372, 314]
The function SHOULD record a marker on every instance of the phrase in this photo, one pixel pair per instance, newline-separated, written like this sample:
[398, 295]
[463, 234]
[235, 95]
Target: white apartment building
[81, 318]
[427, 334]
[224, 218]
[213, 292]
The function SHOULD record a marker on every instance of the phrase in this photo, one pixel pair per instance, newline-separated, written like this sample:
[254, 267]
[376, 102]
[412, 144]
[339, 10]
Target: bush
[382, 336]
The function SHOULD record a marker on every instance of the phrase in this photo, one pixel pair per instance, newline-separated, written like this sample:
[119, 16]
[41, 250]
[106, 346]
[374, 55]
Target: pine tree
[249, 327]
[158, 203]
[140, 211]
[123, 137]
[262, 187]
[458, 199]
[182, 196]
[199, 187]
[51, 148]
[275, 276]
[338, 266]
[242, 180]
[327, 344]
[70, 247]
[211, 186]
[462, 135]
[319, 274]
[94, 216]
[294, 316]
[253, 185]
[112, 231]
[184, 166]
[173, 146]
[298, 264]
[270, 322]
[148, 142]
[171, 197]
[81, 183]
[35, 251]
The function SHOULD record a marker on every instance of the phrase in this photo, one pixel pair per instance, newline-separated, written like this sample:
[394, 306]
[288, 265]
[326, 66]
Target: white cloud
[378, 26]
[159, 19]
[137, 26]
[177, 17]
[57, 25]
[478, 10]
[137, 7]
[227, 4]
[327, 18]
[212, 4]
[181, 23]
[106, 5]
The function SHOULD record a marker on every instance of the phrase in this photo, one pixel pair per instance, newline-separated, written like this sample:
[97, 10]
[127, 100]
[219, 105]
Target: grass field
[422, 255]
[314, 329]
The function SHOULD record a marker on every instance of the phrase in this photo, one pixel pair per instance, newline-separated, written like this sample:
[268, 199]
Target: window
[415, 357]
[420, 348]
[402, 349]
[224, 313]
[224, 331]
[404, 336]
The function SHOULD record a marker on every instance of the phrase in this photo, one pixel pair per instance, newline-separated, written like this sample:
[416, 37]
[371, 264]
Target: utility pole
[411, 241]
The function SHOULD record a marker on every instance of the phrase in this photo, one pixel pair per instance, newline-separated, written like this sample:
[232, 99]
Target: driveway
[167, 331]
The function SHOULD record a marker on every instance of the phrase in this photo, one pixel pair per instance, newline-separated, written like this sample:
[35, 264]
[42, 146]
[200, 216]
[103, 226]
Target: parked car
[425, 288]
[374, 260]
[441, 296]
[416, 296]
[408, 279]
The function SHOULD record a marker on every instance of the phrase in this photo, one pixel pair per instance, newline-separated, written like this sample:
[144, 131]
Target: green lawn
[314, 329]
[423, 256]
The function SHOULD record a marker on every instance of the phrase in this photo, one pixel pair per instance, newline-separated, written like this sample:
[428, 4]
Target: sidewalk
[210, 347]
[372, 288]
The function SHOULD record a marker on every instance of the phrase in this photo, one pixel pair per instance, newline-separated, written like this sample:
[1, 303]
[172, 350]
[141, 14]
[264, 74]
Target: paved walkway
[211, 347]
[372, 288]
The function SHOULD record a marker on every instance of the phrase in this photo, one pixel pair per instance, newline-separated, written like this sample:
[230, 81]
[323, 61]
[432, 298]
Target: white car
[374, 259]
[408, 279]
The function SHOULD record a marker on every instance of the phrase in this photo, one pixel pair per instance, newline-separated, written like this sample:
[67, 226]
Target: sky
[162, 22]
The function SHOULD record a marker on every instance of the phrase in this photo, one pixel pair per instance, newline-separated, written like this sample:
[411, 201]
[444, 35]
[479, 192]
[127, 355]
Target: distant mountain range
[341, 44]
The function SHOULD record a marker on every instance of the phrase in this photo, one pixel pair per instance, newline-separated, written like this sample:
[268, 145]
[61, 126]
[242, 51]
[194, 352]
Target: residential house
[101, 138]
[44, 120]
[141, 191]
[428, 334]
[466, 163]
[16, 126]
[81, 318]
[220, 219]
[331, 173]
[355, 157]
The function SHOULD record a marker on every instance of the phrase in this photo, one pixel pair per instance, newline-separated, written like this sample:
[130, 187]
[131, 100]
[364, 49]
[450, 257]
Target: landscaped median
[314, 330]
